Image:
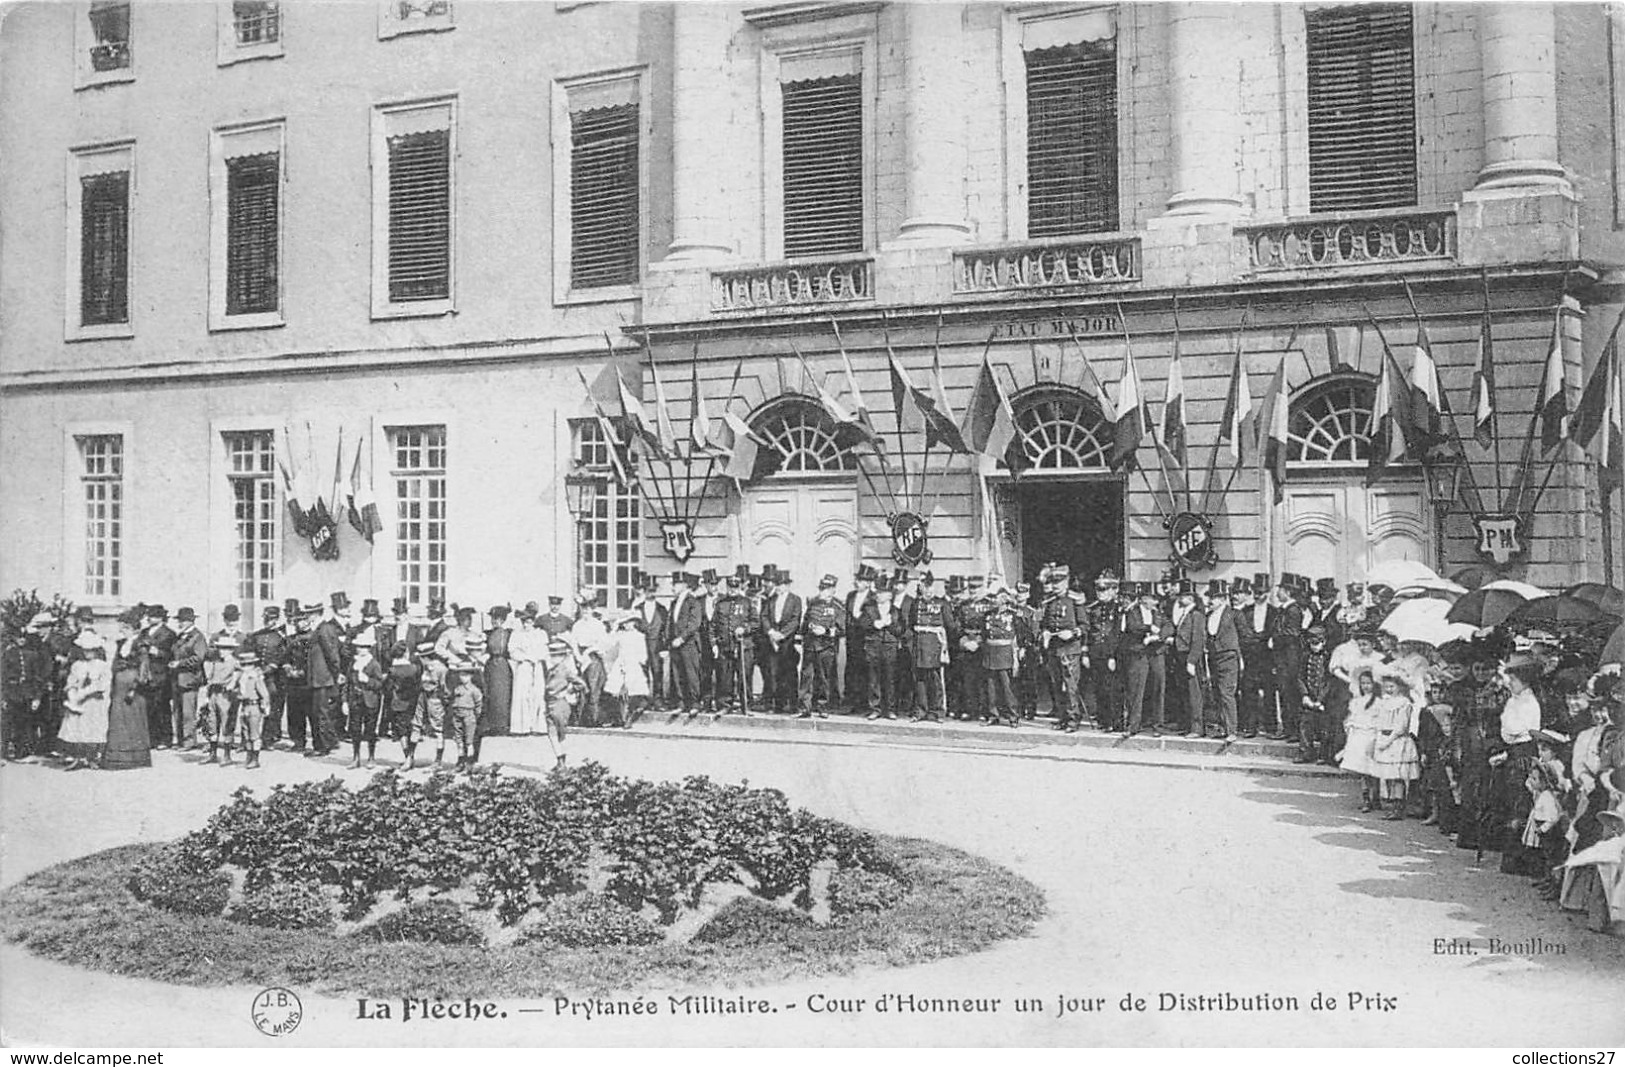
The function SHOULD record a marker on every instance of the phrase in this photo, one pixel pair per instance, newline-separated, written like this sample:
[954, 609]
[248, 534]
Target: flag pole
[948, 462]
[1156, 445]
[612, 444]
[902, 448]
[1213, 457]
[846, 361]
[1190, 503]
[1527, 459]
[1488, 338]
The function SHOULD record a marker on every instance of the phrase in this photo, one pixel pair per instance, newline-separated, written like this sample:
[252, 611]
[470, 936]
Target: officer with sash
[1103, 687]
[822, 628]
[1061, 629]
[733, 629]
[999, 654]
[931, 630]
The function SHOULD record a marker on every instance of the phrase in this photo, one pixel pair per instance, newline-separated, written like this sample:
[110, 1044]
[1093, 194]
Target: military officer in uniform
[972, 633]
[822, 627]
[1001, 649]
[710, 592]
[1060, 636]
[1102, 687]
[733, 632]
[931, 631]
[267, 643]
[1029, 657]
[904, 589]
[1327, 612]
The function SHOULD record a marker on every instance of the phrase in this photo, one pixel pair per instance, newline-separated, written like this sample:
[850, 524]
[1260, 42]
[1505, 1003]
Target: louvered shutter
[251, 233]
[604, 197]
[1072, 139]
[104, 249]
[420, 216]
[1362, 108]
[823, 166]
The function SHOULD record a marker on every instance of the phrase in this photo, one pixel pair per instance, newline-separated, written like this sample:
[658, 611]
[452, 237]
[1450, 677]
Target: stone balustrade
[1362, 239]
[1045, 268]
[809, 283]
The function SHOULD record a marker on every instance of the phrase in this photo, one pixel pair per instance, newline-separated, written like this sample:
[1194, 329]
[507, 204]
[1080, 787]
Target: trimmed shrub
[166, 880]
[285, 906]
[588, 920]
[857, 890]
[437, 921]
[752, 921]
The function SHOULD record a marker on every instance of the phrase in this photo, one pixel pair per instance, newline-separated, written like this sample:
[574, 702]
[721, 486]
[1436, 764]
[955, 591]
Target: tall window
[101, 483]
[420, 511]
[413, 210]
[256, 21]
[1072, 138]
[251, 470]
[610, 534]
[823, 166]
[110, 30]
[252, 185]
[604, 212]
[1362, 107]
[104, 256]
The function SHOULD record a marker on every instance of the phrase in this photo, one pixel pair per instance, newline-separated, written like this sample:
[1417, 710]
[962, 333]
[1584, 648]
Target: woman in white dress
[1361, 729]
[527, 651]
[628, 680]
[84, 723]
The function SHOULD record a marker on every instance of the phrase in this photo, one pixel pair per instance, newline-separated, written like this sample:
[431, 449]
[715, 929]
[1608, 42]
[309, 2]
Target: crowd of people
[1510, 747]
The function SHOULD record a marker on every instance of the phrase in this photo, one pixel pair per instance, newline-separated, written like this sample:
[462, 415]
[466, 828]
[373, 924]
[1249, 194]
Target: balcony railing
[1366, 239]
[805, 283]
[1045, 267]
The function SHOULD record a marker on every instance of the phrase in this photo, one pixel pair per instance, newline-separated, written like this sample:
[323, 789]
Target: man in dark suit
[655, 624]
[733, 638]
[1189, 657]
[1287, 624]
[186, 655]
[1145, 632]
[855, 680]
[269, 643]
[687, 634]
[781, 622]
[1253, 620]
[1223, 656]
[152, 680]
[324, 675]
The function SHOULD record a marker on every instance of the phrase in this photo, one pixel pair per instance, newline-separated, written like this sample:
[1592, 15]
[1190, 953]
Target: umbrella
[1605, 597]
[1614, 650]
[1523, 589]
[1486, 607]
[1435, 589]
[1555, 611]
[1425, 620]
[1475, 576]
[1399, 573]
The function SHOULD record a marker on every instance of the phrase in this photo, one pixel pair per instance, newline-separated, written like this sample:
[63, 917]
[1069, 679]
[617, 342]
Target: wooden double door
[1342, 528]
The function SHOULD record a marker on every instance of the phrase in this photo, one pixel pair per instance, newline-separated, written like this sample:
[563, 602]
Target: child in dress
[628, 679]
[1360, 729]
[1395, 755]
[1545, 829]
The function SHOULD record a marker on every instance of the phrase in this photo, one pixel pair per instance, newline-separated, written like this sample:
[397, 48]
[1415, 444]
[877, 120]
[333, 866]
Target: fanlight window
[1331, 422]
[800, 438]
[1058, 428]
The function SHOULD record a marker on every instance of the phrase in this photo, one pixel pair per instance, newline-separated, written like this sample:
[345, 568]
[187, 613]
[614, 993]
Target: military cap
[270, 611]
[1106, 577]
[828, 581]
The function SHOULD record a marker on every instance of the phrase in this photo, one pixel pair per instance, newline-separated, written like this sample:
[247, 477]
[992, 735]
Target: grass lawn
[82, 913]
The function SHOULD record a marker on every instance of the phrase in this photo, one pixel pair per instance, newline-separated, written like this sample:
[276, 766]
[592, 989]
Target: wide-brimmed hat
[186, 615]
[88, 639]
[225, 641]
[247, 657]
[364, 639]
[558, 644]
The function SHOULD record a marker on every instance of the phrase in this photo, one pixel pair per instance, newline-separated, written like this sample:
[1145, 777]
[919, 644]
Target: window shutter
[104, 252]
[420, 216]
[1362, 108]
[251, 233]
[604, 197]
[1072, 139]
[823, 166]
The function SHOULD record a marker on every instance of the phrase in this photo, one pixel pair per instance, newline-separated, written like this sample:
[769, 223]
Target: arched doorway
[801, 508]
[1068, 503]
[1334, 524]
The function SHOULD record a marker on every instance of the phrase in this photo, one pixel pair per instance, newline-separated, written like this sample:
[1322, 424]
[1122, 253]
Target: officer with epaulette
[733, 630]
[972, 633]
[931, 630]
[822, 627]
[879, 628]
[1001, 649]
[1102, 682]
[268, 644]
[1060, 635]
[1029, 657]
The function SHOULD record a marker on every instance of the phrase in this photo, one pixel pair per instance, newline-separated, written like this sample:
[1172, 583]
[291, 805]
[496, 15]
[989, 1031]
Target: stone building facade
[747, 201]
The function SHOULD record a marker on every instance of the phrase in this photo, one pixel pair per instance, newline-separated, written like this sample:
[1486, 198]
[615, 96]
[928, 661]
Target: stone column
[1519, 44]
[1204, 51]
[701, 111]
[934, 131]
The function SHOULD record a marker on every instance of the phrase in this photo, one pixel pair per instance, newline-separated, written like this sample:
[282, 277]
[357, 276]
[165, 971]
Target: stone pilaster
[701, 131]
[934, 134]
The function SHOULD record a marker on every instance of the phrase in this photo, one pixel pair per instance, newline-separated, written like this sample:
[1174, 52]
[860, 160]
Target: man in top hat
[1101, 684]
[654, 621]
[931, 629]
[687, 634]
[386, 632]
[1187, 659]
[1144, 633]
[153, 648]
[1286, 648]
[733, 639]
[1223, 645]
[781, 622]
[1327, 612]
[1061, 628]
[823, 625]
[710, 593]
[856, 677]
[1254, 620]
[325, 674]
[879, 629]
[186, 657]
[555, 620]
[904, 588]
[999, 656]
[438, 622]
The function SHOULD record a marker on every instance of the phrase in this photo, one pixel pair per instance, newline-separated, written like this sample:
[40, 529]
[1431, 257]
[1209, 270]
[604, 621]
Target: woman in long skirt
[83, 735]
[498, 676]
[527, 652]
[128, 745]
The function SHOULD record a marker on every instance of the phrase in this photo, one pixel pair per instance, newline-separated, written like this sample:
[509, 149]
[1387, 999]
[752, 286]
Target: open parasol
[1431, 589]
[1476, 575]
[1606, 597]
[1614, 650]
[1425, 620]
[1562, 610]
[1399, 573]
[1486, 607]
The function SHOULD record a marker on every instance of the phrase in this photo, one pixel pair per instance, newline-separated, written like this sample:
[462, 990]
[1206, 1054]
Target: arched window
[1330, 421]
[801, 438]
[1058, 428]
